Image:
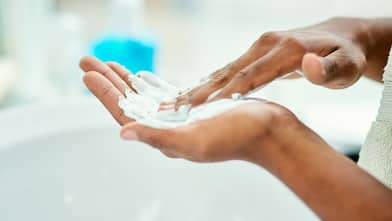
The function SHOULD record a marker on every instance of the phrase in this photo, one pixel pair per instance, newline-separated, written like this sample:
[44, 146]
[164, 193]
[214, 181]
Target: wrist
[280, 138]
[292, 142]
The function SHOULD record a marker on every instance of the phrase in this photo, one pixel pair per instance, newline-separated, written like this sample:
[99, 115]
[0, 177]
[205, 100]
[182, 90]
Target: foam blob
[143, 105]
[174, 115]
[158, 83]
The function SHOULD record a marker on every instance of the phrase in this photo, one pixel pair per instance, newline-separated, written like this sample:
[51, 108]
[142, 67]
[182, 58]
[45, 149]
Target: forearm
[379, 34]
[334, 187]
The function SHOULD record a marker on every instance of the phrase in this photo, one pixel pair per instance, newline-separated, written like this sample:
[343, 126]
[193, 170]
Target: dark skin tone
[334, 54]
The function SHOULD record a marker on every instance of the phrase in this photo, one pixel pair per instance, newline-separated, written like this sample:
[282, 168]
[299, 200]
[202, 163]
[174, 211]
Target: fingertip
[90, 78]
[90, 63]
[129, 134]
[115, 66]
[112, 63]
[313, 69]
[85, 63]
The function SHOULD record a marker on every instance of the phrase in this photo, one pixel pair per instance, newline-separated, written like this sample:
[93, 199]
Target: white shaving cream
[151, 91]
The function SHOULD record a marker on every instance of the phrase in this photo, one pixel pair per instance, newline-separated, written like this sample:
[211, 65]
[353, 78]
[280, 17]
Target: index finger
[220, 78]
[277, 62]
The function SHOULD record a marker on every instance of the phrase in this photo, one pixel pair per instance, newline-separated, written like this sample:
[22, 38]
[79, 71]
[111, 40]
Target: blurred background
[41, 42]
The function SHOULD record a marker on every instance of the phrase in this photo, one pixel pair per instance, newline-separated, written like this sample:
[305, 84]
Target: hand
[266, 134]
[333, 54]
[243, 133]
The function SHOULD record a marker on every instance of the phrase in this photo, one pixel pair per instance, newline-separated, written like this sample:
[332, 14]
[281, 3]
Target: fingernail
[129, 135]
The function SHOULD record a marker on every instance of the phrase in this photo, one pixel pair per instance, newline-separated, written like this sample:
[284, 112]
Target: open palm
[241, 133]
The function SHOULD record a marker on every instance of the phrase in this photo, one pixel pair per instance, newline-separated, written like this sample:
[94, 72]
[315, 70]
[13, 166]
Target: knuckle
[282, 113]
[244, 80]
[283, 117]
[269, 37]
[119, 114]
[293, 42]
[231, 68]
[252, 85]
[106, 72]
[217, 72]
[107, 90]
[120, 117]
[222, 77]
[277, 114]
[242, 74]
[337, 19]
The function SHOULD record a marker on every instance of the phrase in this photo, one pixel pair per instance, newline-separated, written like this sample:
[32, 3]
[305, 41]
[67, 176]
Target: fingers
[339, 69]
[222, 77]
[279, 61]
[88, 64]
[204, 141]
[217, 80]
[121, 72]
[107, 93]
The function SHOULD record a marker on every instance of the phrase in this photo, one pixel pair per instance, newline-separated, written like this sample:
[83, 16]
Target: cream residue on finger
[143, 105]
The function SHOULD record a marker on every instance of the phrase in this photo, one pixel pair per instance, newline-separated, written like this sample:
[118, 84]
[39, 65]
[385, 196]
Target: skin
[333, 54]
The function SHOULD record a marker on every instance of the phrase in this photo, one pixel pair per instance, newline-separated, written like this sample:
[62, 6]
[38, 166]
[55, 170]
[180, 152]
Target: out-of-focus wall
[44, 40]
[196, 37]
[2, 48]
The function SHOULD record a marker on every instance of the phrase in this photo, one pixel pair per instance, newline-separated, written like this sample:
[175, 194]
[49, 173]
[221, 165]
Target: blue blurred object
[136, 54]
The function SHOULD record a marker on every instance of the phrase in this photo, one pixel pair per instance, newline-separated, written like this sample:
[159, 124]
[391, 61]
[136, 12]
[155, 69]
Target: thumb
[168, 139]
[339, 69]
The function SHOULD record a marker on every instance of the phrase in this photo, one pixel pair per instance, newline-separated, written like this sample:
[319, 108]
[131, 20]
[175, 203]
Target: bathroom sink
[65, 161]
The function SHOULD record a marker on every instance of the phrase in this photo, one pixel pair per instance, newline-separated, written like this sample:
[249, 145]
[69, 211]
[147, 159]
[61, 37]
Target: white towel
[376, 154]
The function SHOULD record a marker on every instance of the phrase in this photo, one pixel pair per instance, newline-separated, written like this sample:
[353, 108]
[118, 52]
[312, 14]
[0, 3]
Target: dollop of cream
[151, 91]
